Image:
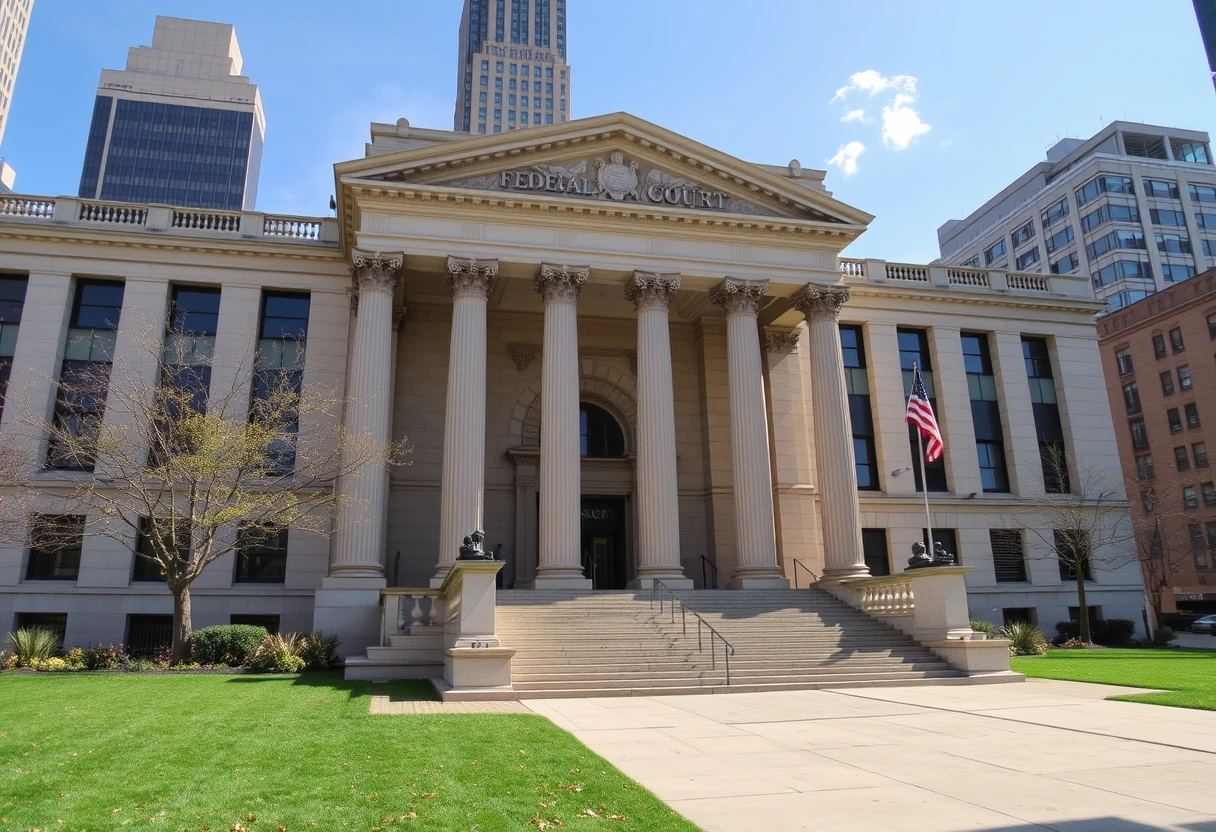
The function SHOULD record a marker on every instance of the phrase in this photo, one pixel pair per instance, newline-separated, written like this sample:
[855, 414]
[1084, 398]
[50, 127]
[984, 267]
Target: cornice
[1071, 305]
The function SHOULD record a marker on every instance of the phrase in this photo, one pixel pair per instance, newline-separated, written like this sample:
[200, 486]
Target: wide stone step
[650, 674]
[717, 678]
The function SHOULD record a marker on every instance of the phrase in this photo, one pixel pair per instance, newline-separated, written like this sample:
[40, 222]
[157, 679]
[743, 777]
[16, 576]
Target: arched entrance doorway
[603, 517]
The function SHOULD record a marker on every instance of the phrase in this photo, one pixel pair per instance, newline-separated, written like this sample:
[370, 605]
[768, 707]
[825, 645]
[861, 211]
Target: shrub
[1111, 631]
[74, 658]
[32, 644]
[1164, 635]
[320, 651]
[987, 628]
[279, 653]
[1025, 639]
[229, 644]
[103, 658]
[7, 659]
[51, 664]
[1071, 644]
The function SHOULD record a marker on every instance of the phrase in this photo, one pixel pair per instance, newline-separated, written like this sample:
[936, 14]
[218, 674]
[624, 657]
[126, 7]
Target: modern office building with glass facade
[512, 71]
[1133, 208]
[179, 126]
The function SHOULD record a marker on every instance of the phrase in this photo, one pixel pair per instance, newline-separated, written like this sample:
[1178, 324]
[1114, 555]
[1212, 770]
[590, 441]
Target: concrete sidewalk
[1040, 755]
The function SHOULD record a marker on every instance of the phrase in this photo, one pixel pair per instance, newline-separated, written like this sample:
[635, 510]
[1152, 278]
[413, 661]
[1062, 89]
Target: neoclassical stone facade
[616, 351]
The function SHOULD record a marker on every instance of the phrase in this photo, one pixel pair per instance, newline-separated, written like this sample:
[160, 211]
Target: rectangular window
[985, 413]
[1192, 415]
[188, 353]
[56, 622]
[1104, 185]
[146, 634]
[874, 550]
[1189, 500]
[1139, 434]
[1208, 490]
[1173, 243]
[994, 252]
[1159, 346]
[55, 543]
[1122, 269]
[1008, 555]
[12, 303]
[1061, 238]
[1113, 212]
[1066, 264]
[1167, 383]
[1027, 258]
[146, 568]
[261, 555]
[1131, 398]
[947, 539]
[1200, 451]
[1204, 220]
[497, 98]
[1054, 213]
[1165, 216]
[861, 417]
[1181, 460]
[1185, 151]
[1160, 189]
[1023, 234]
[1176, 272]
[1184, 377]
[84, 379]
[1144, 467]
[1175, 420]
[279, 370]
[1115, 240]
[914, 347]
[1072, 549]
[1204, 194]
[1123, 359]
[1050, 432]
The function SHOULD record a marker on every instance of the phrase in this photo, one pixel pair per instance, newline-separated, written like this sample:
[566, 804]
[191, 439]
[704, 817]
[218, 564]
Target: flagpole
[924, 480]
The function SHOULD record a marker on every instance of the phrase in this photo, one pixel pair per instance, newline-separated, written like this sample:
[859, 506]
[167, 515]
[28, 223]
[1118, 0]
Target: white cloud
[846, 158]
[857, 115]
[872, 82]
[901, 124]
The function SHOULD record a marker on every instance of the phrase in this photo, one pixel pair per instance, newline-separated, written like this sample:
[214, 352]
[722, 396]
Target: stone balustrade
[958, 278]
[169, 220]
[406, 610]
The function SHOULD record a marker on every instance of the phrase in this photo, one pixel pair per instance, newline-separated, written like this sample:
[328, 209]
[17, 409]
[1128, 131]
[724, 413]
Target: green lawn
[211, 752]
[1188, 675]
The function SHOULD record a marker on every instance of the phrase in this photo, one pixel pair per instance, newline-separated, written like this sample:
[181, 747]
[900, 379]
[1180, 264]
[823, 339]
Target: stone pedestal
[841, 511]
[559, 561]
[658, 491]
[475, 664]
[941, 602]
[464, 429]
[755, 535]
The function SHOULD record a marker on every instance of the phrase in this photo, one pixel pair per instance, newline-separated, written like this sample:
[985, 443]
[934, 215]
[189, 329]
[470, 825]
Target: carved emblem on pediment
[615, 178]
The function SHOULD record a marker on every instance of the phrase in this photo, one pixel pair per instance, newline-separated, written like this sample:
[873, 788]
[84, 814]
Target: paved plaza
[1039, 755]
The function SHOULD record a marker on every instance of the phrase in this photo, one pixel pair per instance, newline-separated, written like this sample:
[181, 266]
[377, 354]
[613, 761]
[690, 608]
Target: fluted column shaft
[558, 560]
[833, 433]
[658, 492]
[755, 534]
[359, 550]
[464, 426]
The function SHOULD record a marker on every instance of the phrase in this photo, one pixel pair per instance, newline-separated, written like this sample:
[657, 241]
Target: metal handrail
[797, 564]
[704, 577]
[728, 649]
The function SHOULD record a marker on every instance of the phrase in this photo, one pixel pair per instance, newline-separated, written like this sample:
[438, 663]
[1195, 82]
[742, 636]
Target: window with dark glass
[1192, 415]
[1204, 194]
[1197, 545]
[1117, 239]
[1200, 452]
[261, 555]
[985, 413]
[1175, 419]
[1027, 258]
[1123, 358]
[861, 417]
[1144, 467]
[279, 370]
[12, 302]
[1054, 212]
[1167, 383]
[1176, 342]
[1105, 185]
[1124, 269]
[84, 378]
[1008, 555]
[600, 434]
[1178, 272]
[1189, 500]
[56, 622]
[1165, 216]
[914, 347]
[146, 634]
[1061, 238]
[1072, 548]
[1046, 410]
[1208, 490]
[55, 543]
[186, 372]
[1160, 189]
[1113, 212]
[1173, 243]
[874, 550]
[1159, 345]
[1139, 434]
[146, 568]
[1023, 234]
[948, 538]
[1184, 377]
[1066, 264]
[1181, 459]
[993, 252]
[1131, 397]
[95, 147]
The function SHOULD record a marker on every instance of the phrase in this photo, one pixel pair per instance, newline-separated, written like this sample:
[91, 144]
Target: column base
[349, 607]
[673, 579]
[560, 582]
[835, 574]
[441, 572]
[759, 581]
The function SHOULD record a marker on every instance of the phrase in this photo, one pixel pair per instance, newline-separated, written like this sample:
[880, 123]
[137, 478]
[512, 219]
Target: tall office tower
[1133, 207]
[1205, 14]
[513, 71]
[180, 125]
[14, 23]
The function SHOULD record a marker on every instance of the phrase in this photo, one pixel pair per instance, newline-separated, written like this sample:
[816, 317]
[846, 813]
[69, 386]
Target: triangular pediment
[618, 160]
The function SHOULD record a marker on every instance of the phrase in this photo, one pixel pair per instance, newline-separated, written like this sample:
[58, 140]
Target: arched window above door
[599, 432]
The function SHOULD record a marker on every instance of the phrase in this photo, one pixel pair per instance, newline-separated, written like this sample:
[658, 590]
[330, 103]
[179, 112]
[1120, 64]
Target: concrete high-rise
[14, 23]
[512, 71]
[180, 125]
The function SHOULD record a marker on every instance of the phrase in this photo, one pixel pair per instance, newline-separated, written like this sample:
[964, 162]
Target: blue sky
[995, 83]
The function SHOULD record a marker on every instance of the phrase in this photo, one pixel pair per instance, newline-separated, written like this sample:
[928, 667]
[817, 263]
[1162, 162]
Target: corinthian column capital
[374, 270]
[738, 296]
[648, 290]
[469, 277]
[820, 302]
[561, 283]
[780, 340]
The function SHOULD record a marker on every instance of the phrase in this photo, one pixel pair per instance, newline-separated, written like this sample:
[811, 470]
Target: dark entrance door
[604, 542]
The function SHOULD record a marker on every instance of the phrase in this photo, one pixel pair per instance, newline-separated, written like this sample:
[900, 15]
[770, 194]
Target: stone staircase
[618, 644]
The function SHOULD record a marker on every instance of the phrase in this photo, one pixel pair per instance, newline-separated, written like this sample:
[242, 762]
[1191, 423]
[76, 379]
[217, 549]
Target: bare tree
[1165, 535]
[193, 472]
[1083, 521]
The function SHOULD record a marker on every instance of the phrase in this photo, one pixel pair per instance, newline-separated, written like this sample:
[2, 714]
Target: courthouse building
[625, 355]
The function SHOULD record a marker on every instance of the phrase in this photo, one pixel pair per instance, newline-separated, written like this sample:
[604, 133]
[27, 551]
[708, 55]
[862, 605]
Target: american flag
[920, 413]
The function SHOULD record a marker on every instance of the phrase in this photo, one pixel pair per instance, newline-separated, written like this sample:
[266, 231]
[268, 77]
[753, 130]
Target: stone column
[833, 433]
[559, 562]
[658, 493]
[464, 426]
[755, 536]
[367, 417]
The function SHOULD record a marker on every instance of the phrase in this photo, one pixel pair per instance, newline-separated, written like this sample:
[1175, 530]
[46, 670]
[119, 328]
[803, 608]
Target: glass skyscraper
[180, 126]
